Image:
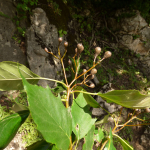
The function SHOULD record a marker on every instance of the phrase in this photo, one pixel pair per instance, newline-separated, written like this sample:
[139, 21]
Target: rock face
[41, 34]
[9, 50]
[134, 34]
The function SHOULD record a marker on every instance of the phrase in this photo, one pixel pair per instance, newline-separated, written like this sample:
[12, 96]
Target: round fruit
[107, 54]
[84, 70]
[97, 50]
[80, 48]
[93, 71]
[69, 62]
[92, 85]
[147, 110]
[66, 44]
[60, 39]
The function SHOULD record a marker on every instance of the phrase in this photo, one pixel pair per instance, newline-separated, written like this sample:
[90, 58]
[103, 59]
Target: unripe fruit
[84, 70]
[60, 39]
[93, 71]
[91, 76]
[92, 85]
[76, 50]
[46, 49]
[97, 50]
[80, 48]
[107, 54]
[147, 110]
[66, 44]
[69, 62]
[137, 111]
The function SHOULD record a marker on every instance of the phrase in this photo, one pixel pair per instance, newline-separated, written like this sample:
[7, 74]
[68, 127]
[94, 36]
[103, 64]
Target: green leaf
[65, 32]
[19, 107]
[10, 77]
[89, 140]
[48, 112]
[81, 117]
[89, 99]
[109, 145]
[99, 135]
[124, 143]
[104, 120]
[59, 88]
[40, 145]
[127, 98]
[9, 127]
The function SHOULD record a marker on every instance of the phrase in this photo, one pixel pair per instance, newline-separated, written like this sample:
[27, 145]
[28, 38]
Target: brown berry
[93, 71]
[92, 76]
[147, 110]
[46, 49]
[65, 44]
[137, 111]
[97, 50]
[92, 85]
[69, 62]
[84, 70]
[76, 50]
[80, 48]
[60, 39]
[107, 54]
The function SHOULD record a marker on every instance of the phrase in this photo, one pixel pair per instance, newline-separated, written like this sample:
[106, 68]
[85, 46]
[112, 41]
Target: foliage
[4, 15]
[61, 33]
[54, 6]
[59, 121]
[23, 9]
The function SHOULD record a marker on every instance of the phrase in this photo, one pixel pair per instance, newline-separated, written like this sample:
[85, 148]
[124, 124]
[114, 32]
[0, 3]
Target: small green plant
[54, 6]
[64, 124]
[135, 36]
[4, 15]
[62, 32]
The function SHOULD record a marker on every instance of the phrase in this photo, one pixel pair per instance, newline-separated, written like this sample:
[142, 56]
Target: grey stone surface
[42, 34]
[110, 107]
[9, 50]
[16, 143]
[134, 34]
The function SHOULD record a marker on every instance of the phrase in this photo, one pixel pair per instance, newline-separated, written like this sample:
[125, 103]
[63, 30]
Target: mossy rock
[60, 21]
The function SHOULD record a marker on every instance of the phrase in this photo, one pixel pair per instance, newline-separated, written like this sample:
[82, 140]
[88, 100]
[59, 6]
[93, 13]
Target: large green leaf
[9, 127]
[81, 117]
[127, 98]
[10, 77]
[52, 118]
[89, 140]
[89, 99]
[124, 143]
[99, 135]
[109, 145]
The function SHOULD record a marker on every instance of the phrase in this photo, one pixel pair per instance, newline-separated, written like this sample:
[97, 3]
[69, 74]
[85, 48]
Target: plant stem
[49, 80]
[104, 145]
[64, 71]
[68, 94]
[77, 91]
[124, 124]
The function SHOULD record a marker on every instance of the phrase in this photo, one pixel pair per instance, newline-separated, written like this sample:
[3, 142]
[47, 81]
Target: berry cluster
[74, 64]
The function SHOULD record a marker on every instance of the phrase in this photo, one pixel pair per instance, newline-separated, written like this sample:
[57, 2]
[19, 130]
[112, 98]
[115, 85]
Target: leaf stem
[77, 91]
[104, 145]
